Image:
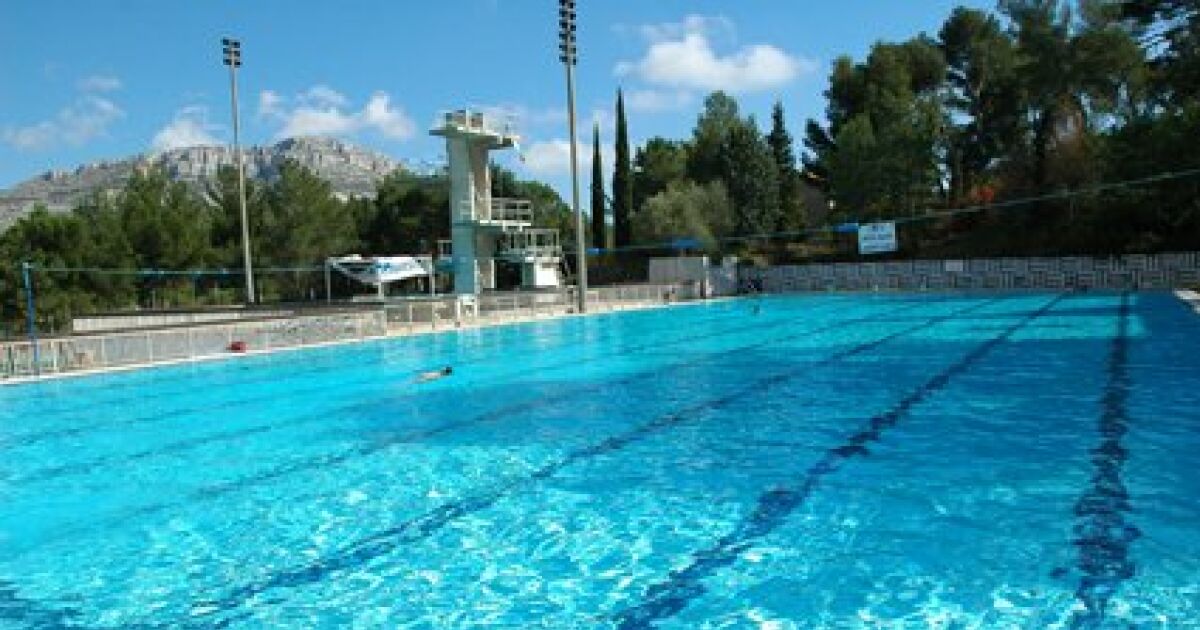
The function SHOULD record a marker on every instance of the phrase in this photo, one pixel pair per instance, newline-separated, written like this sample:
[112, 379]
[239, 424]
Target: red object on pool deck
[237, 346]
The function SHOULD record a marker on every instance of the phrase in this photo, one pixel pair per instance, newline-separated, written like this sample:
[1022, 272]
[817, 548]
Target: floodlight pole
[569, 57]
[30, 316]
[233, 58]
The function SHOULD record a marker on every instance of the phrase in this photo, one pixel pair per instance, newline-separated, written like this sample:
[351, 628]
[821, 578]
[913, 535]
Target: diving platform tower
[485, 230]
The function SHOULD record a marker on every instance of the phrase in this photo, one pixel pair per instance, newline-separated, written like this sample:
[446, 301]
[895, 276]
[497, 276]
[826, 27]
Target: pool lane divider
[1103, 534]
[772, 508]
[322, 416]
[421, 527]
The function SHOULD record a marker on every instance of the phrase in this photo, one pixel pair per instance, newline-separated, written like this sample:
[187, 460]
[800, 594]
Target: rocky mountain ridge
[352, 171]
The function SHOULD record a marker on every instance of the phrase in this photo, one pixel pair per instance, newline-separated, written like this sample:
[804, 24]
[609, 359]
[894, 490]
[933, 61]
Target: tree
[686, 210]
[599, 235]
[622, 181]
[409, 214]
[790, 203]
[1172, 29]
[305, 225]
[983, 93]
[879, 153]
[656, 165]
[705, 159]
[750, 174]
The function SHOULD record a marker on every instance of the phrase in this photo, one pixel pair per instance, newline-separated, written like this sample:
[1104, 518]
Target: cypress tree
[622, 182]
[599, 239]
[780, 142]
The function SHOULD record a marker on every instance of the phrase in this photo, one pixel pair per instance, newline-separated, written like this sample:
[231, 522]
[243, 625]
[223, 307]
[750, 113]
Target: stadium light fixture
[232, 50]
[568, 55]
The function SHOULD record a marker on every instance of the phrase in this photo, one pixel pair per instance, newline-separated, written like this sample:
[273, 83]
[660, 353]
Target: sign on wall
[876, 238]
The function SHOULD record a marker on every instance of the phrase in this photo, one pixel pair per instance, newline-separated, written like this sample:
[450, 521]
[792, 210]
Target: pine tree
[599, 238]
[750, 174]
[622, 182]
[785, 163]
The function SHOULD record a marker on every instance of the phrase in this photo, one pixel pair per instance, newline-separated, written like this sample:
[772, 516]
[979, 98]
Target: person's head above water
[447, 370]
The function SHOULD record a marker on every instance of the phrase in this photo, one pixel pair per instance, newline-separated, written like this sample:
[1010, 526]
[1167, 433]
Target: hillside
[352, 171]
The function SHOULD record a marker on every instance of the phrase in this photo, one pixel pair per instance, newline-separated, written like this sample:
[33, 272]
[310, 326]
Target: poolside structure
[486, 230]
[380, 271]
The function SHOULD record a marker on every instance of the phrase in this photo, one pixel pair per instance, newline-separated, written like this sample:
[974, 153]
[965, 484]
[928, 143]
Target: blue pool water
[890, 461]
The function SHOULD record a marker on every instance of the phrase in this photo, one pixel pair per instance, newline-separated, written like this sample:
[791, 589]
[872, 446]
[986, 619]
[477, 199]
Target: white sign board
[876, 238]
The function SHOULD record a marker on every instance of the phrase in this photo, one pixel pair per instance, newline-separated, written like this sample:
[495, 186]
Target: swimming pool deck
[396, 333]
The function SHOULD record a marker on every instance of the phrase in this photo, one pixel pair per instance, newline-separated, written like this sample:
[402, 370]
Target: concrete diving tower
[484, 230]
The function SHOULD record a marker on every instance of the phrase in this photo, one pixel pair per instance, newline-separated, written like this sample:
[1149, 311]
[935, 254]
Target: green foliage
[751, 175]
[686, 210]
[791, 194]
[658, 164]
[705, 159]
[599, 228]
[622, 180]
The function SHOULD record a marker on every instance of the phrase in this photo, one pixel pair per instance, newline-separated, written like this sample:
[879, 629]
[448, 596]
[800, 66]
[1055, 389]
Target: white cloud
[324, 96]
[549, 157]
[393, 123]
[553, 157]
[269, 103]
[322, 111]
[189, 128]
[523, 117]
[76, 124]
[708, 25]
[681, 56]
[658, 100]
[99, 83]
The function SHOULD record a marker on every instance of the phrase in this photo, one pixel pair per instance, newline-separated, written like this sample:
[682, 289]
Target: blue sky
[84, 81]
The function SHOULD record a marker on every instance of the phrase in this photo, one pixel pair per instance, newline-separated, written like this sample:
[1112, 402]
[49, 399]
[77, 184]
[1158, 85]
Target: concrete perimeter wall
[1154, 271]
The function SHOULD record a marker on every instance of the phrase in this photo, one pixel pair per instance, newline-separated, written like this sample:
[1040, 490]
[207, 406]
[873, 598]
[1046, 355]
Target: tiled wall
[1158, 271]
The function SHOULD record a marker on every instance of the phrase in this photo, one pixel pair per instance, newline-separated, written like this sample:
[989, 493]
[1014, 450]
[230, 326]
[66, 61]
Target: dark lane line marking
[325, 461]
[326, 364]
[159, 416]
[421, 527]
[32, 614]
[670, 596]
[85, 467]
[1102, 533]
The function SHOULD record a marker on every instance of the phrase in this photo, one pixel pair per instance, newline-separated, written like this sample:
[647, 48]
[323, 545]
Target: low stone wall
[1157, 271]
[136, 321]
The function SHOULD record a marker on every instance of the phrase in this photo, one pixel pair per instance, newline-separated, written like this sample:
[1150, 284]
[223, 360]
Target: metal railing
[101, 351]
[452, 312]
[147, 347]
[514, 210]
[474, 121]
[527, 244]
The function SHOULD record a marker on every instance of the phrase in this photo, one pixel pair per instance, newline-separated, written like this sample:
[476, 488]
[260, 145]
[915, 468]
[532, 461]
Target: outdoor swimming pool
[946, 461]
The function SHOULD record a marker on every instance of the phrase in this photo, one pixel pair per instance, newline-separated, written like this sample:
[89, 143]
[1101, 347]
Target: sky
[82, 81]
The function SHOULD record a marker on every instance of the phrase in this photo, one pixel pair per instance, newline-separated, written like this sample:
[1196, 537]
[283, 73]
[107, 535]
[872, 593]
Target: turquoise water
[889, 461]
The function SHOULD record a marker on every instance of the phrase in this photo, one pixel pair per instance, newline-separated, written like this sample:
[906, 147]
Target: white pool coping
[1190, 297]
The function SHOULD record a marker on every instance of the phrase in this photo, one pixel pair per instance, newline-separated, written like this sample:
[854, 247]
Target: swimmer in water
[433, 375]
